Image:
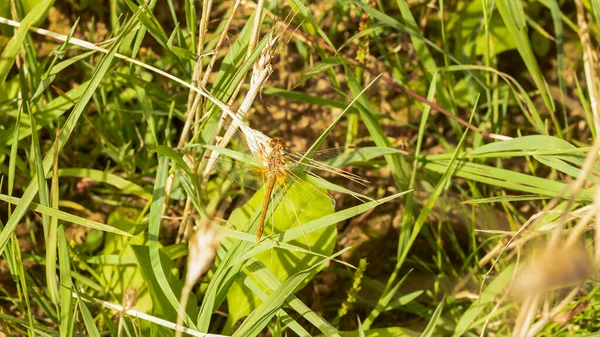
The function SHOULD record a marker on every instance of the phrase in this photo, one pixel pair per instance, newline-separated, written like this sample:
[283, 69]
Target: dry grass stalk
[589, 64]
[261, 71]
[140, 315]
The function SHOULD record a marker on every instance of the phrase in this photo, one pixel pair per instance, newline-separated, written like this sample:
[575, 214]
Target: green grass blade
[511, 11]
[66, 286]
[119, 182]
[88, 320]
[14, 147]
[155, 216]
[485, 297]
[64, 216]
[428, 332]
[383, 303]
[316, 225]
[51, 240]
[259, 318]
[37, 159]
[11, 50]
[32, 188]
[256, 269]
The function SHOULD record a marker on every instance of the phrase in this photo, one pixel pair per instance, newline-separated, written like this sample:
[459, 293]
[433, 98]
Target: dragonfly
[275, 166]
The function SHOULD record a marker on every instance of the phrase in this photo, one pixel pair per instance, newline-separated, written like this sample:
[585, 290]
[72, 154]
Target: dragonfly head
[277, 144]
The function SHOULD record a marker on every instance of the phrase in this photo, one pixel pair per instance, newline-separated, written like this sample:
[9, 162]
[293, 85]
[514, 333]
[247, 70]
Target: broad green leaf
[166, 282]
[161, 304]
[120, 277]
[261, 316]
[299, 206]
[301, 231]
[470, 23]
[256, 271]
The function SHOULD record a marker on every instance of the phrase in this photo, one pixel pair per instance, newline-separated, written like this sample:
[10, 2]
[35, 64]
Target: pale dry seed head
[202, 250]
[129, 298]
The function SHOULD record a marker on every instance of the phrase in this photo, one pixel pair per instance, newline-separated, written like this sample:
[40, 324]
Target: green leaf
[67, 320]
[298, 207]
[88, 320]
[264, 312]
[534, 142]
[470, 23]
[162, 306]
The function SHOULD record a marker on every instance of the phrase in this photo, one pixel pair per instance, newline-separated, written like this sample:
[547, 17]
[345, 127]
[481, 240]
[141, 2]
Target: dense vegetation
[447, 189]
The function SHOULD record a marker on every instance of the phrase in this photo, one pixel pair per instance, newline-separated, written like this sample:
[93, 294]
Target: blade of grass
[408, 214]
[67, 314]
[11, 50]
[51, 240]
[260, 317]
[485, 297]
[88, 320]
[513, 17]
[315, 225]
[37, 157]
[14, 147]
[155, 215]
[23, 286]
[67, 129]
[258, 270]
[64, 216]
[383, 303]
[119, 182]
[428, 332]
[426, 58]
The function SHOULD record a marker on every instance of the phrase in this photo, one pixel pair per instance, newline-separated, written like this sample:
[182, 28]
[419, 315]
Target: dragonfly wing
[335, 160]
[294, 202]
[245, 175]
[336, 157]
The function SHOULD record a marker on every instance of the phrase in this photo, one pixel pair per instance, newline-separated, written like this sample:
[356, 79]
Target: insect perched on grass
[275, 167]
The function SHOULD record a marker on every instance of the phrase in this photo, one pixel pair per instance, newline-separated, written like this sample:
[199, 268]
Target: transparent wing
[246, 175]
[299, 201]
[329, 160]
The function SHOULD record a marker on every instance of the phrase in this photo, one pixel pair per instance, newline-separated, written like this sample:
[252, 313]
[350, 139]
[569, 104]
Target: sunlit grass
[474, 124]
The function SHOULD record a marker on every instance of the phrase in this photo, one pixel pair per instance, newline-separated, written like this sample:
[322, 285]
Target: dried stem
[589, 65]
[149, 318]
[261, 71]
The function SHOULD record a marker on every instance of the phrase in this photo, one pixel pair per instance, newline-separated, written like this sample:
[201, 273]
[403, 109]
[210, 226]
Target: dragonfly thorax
[276, 161]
